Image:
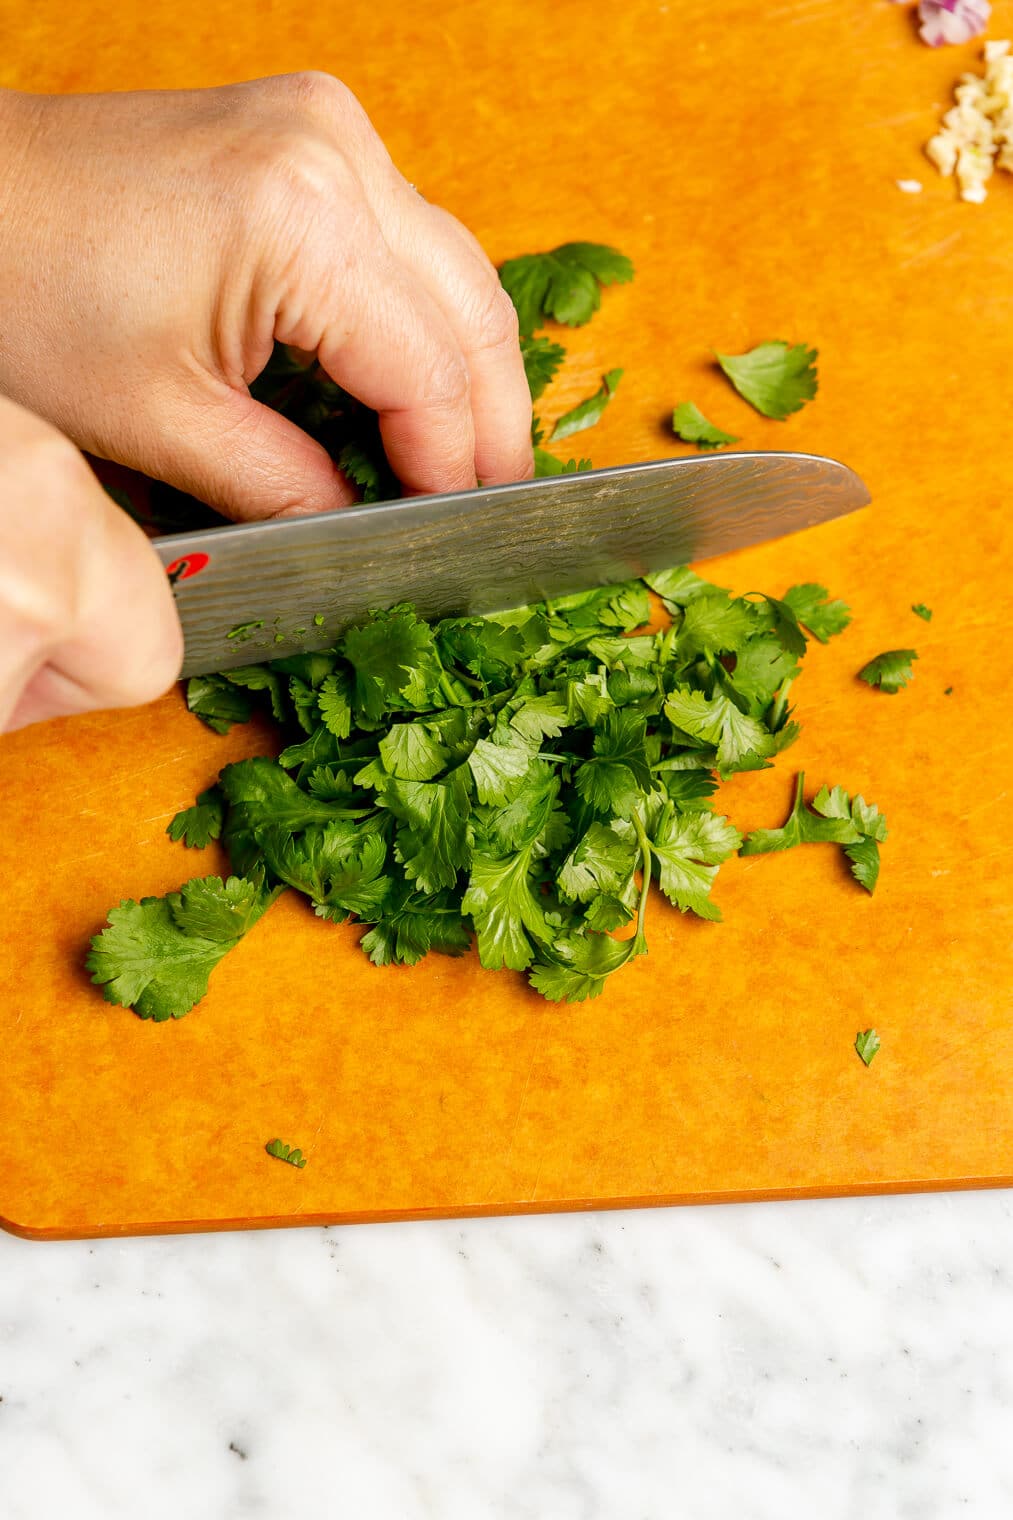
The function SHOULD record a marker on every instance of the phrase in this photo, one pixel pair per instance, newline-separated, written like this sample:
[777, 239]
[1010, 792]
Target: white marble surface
[839, 1358]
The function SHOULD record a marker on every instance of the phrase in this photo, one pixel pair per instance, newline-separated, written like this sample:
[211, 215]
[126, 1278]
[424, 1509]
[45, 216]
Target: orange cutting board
[745, 156]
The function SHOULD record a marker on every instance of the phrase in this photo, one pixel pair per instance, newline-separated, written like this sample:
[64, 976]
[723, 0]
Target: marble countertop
[835, 1358]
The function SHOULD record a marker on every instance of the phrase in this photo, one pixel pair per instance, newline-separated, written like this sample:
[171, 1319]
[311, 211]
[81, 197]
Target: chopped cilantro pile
[519, 778]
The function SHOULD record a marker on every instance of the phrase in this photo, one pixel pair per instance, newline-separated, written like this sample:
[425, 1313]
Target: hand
[86, 614]
[153, 246]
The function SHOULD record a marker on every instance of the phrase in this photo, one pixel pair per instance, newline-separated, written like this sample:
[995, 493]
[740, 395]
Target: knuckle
[496, 318]
[314, 91]
[447, 383]
[293, 169]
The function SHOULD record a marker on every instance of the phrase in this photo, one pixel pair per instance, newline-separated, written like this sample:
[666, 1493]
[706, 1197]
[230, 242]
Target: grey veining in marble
[824, 1359]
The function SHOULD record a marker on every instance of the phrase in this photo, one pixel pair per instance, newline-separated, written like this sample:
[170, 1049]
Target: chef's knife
[294, 584]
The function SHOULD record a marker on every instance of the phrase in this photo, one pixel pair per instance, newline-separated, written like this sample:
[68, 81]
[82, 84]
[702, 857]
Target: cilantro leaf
[801, 827]
[690, 424]
[196, 826]
[688, 848]
[156, 955]
[602, 862]
[811, 606]
[564, 284]
[433, 841]
[499, 767]
[866, 1044]
[411, 751]
[890, 671]
[713, 624]
[548, 464]
[920, 610]
[680, 586]
[395, 662]
[412, 924]
[217, 702]
[716, 720]
[863, 854]
[354, 462]
[283, 1152]
[542, 359]
[776, 378]
[504, 908]
[587, 412]
[577, 966]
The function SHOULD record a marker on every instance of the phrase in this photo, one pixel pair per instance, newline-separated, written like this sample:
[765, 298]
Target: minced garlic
[977, 133]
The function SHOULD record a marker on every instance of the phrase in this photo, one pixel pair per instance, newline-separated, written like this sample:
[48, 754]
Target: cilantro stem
[645, 882]
[779, 710]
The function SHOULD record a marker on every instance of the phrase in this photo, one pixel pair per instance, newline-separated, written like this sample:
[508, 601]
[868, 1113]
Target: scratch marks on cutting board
[933, 251]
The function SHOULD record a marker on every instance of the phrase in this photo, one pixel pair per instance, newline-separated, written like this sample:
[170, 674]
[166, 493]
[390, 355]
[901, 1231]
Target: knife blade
[482, 550]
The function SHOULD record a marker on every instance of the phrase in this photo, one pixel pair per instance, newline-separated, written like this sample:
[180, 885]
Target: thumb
[87, 618]
[241, 457]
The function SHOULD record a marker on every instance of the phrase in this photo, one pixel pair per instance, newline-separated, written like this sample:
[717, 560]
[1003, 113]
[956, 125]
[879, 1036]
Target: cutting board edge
[320, 1220]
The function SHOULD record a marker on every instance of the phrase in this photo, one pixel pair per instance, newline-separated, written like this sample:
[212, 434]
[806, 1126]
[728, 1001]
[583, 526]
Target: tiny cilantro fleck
[244, 631]
[283, 1152]
[318, 620]
[920, 610]
[866, 1044]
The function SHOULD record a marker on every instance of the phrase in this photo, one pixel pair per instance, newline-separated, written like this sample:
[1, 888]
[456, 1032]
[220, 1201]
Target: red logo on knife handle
[188, 564]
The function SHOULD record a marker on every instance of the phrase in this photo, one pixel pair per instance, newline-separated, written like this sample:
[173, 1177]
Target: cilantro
[812, 607]
[542, 359]
[802, 827]
[775, 378]
[866, 1044]
[690, 424]
[243, 631]
[217, 702]
[548, 464]
[871, 825]
[890, 671]
[586, 413]
[518, 780]
[564, 284]
[157, 954]
[318, 620]
[920, 610]
[198, 825]
[283, 1152]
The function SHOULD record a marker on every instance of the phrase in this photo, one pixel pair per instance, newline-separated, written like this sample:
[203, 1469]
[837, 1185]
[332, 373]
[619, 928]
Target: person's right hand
[87, 618]
[154, 246]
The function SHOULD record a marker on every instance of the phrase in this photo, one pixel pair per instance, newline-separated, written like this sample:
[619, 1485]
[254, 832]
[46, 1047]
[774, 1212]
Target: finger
[87, 613]
[239, 456]
[386, 341]
[451, 265]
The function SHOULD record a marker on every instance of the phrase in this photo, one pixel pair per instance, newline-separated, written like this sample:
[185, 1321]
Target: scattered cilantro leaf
[156, 955]
[867, 1044]
[920, 610]
[776, 378]
[243, 631]
[890, 671]
[283, 1152]
[564, 285]
[690, 424]
[801, 827]
[587, 412]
